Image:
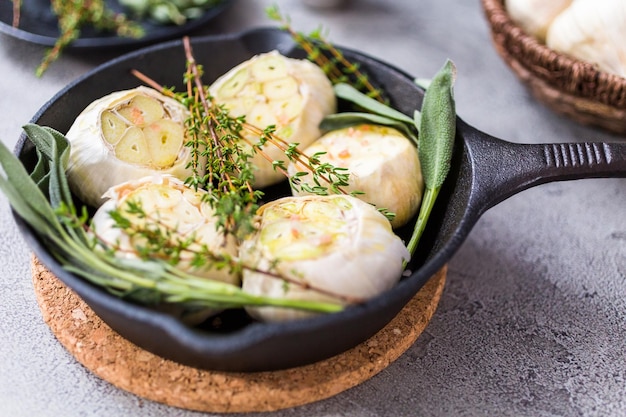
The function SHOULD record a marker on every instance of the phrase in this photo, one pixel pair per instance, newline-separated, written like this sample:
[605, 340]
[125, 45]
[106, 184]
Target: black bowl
[485, 170]
[39, 25]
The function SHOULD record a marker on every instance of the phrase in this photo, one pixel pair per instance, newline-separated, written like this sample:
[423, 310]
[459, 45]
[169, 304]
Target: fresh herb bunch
[43, 199]
[73, 15]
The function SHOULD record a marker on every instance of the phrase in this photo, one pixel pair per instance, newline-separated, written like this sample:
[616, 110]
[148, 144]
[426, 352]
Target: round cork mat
[121, 363]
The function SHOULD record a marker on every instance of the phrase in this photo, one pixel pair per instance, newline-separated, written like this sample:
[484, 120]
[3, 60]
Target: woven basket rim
[561, 71]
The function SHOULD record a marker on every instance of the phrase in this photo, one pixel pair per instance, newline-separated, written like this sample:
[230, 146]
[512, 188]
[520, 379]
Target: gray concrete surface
[533, 318]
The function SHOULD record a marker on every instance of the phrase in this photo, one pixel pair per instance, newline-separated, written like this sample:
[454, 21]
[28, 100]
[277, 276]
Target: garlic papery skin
[124, 136]
[536, 16]
[382, 164]
[593, 31]
[337, 243]
[293, 95]
[172, 207]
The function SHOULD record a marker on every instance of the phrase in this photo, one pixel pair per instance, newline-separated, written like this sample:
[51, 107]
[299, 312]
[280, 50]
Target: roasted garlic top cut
[272, 90]
[382, 164]
[163, 207]
[124, 136]
[333, 248]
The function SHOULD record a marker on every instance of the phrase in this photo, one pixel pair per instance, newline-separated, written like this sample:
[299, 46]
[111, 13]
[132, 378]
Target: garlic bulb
[383, 164]
[124, 136]
[336, 243]
[535, 16]
[172, 207]
[592, 31]
[270, 89]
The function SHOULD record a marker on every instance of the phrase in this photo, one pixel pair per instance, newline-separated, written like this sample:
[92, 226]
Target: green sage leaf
[437, 127]
[349, 93]
[341, 120]
[55, 148]
[24, 195]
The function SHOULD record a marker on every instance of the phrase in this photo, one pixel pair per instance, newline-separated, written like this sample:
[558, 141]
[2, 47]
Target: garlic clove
[269, 67]
[113, 127]
[141, 110]
[165, 140]
[132, 147]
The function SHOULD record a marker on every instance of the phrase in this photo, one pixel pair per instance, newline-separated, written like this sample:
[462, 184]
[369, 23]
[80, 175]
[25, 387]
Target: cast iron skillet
[485, 171]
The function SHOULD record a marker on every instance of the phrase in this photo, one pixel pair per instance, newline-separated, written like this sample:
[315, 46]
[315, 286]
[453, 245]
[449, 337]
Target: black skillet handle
[503, 168]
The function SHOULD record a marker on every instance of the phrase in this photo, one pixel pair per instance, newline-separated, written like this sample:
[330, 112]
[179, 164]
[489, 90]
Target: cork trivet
[121, 363]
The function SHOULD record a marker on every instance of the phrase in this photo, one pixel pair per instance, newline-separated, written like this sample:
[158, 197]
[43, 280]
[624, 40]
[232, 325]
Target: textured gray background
[533, 317]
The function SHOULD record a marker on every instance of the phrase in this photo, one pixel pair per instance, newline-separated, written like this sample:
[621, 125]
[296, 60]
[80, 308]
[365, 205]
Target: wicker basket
[566, 85]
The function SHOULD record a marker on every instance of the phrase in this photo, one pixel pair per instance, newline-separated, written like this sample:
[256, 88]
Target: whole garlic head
[592, 31]
[172, 207]
[335, 243]
[294, 95]
[124, 136]
[536, 16]
[382, 164]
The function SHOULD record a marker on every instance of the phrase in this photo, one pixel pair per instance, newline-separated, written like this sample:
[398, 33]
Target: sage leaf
[346, 119]
[16, 199]
[438, 127]
[349, 93]
[55, 148]
[40, 172]
[437, 130]
[23, 194]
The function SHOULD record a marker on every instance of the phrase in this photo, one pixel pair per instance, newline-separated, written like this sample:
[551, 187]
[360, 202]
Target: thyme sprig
[17, 7]
[163, 242]
[75, 14]
[212, 126]
[319, 50]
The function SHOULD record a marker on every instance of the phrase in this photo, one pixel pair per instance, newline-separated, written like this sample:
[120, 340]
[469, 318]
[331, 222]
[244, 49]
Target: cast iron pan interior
[484, 171]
